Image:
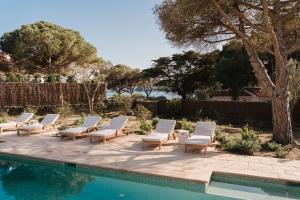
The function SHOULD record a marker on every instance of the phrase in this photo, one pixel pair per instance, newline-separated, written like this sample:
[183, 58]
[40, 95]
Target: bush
[142, 113]
[137, 96]
[80, 121]
[201, 94]
[62, 127]
[281, 152]
[64, 110]
[100, 107]
[2, 120]
[186, 125]
[53, 78]
[155, 121]
[120, 103]
[71, 79]
[174, 107]
[247, 144]
[273, 146]
[31, 109]
[145, 128]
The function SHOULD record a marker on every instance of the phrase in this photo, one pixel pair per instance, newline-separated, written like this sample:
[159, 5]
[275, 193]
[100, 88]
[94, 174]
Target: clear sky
[123, 31]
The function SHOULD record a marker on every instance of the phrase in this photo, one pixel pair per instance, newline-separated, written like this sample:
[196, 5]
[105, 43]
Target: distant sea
[155, 93]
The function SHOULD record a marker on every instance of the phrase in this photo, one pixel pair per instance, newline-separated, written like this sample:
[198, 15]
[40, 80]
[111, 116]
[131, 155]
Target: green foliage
[281, 152]
[273, 146]
[100, 107]
[155, 121]
[120, 103]
[174, 107]
[71, 79]
[234, 70]
[142, 113]
[2, 120]
[31, 109]
[79, 121]
[186, 125]
[145, 128]
[183, 73]
[62, 127]
[207, 92]
[247, 143]
[15, 77]
[64, 110]
[53, 78]
[47, 47]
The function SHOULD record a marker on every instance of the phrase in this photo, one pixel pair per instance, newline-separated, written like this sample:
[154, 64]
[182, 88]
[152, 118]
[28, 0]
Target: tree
[261, 25]
[92, 77]
[233, 69]
[46, 47]
[119, 77]
[183, 73]
[147, 84]
[132, 80]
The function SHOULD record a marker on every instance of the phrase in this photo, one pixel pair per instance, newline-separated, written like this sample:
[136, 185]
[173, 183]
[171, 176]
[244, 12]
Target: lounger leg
[185, 148]
[18, 132]
[73, 137]
[104, 140]
[205, 149]
[160, 144]
[0, 129]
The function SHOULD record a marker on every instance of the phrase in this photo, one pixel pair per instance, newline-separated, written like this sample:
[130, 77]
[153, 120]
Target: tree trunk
[281, 116]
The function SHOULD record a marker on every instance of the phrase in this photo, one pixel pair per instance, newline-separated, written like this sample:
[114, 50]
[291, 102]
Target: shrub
[273, 146]
[142, 113]
[64, 110]
[137, 96]
[2, 120]
[145, 128]
[100, 107]
[155, 121]
[174, 107]
[186, 125]
[62, 127]
[53, 78]
[201, 94]
[80, 121]
[71, 79]
[120, 103]
[31, 109]
[247, 143]
[219, 136]
[281, 152]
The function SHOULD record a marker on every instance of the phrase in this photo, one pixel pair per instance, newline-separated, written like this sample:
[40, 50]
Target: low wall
[230, 111]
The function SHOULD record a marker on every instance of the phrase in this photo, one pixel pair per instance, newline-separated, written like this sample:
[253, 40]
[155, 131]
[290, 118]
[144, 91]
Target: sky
[123, 31]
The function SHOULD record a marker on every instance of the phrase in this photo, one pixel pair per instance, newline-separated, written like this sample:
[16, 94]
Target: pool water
[22, 179]
[252, 188]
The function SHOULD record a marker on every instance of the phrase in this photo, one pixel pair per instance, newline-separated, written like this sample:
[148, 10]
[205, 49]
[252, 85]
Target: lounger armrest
[92, 129]
[49, 126]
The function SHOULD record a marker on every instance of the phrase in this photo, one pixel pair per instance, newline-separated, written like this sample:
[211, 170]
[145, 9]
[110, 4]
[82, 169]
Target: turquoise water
[34, 180]
[253, 188]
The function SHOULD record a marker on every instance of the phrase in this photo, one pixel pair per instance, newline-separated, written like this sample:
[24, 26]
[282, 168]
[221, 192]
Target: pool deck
[125, 153]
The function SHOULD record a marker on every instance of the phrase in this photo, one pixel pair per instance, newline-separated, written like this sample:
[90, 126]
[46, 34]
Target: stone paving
[125, 153]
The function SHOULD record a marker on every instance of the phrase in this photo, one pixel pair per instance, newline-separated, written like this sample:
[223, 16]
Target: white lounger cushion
[205, 128]
[8, 124]
[165, 126]
[104, 133]
[162, 131]
[24, 117]
[156, 137]
[33, 127]
[198, 140]
[89, 122]
[50, 119]
[115, 125]
[74, 131]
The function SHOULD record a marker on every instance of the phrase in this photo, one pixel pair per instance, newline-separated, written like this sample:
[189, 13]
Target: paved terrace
[125, 153]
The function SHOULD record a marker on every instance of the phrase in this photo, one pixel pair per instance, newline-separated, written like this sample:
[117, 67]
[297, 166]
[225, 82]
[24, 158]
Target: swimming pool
[28, 179]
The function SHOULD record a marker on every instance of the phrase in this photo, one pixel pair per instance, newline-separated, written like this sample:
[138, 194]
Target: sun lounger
[47, 124]
[202, 137]
[114, 129]
[162, 133]
[90, 124]
[20, 121]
